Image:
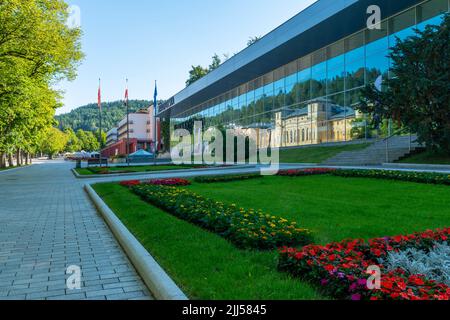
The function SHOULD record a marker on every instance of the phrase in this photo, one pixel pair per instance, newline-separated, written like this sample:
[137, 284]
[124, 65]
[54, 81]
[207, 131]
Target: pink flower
[356, 297]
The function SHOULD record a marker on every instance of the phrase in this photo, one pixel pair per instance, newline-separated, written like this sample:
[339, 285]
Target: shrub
[247, 229]
[340, 268]
[226, 178]
[434, 264]
[99, 170]
[305, 172]
[169, 182]
[420, 177]
[157, 182]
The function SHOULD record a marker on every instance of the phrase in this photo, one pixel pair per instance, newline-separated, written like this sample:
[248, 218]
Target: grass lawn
[132, 169]
[316, 154]
[208, 267]
[428, 157]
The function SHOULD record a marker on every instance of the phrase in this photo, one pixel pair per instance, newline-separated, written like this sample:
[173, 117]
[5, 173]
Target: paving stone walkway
[47, 223]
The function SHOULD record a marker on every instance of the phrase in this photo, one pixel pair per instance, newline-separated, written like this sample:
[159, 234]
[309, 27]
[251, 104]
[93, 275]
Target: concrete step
[376, 153]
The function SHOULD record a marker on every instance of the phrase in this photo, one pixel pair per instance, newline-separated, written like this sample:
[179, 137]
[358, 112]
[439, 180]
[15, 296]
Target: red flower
[377, 252]
[130, 183]
[387, 284]
[329, 268]
[416, 280]
[350, 259]
[169, 182]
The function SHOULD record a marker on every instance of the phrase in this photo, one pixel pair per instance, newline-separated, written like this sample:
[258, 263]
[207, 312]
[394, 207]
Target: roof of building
[331, 19]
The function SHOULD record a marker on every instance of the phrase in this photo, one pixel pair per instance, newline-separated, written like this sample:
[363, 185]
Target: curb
[95, 176]
[156, 279]
[300, 164]
[16, 169]
[417, 166]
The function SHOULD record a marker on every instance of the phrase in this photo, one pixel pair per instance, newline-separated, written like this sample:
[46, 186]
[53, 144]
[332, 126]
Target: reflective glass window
[291, 90]
[431, 12]
[268, 94]
[377, 65]
[279, 93]
[304, 85]
[336, 74]
[402, 26]
[377, 40]
[319, 80]
[355, 74]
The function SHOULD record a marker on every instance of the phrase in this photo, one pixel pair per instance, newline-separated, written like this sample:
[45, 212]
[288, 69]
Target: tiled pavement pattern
[47, 224]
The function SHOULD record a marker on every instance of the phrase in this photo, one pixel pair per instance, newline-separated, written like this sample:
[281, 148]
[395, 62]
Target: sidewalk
[47, 224]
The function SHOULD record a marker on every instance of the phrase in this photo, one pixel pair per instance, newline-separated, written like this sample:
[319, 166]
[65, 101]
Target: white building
[112, 137]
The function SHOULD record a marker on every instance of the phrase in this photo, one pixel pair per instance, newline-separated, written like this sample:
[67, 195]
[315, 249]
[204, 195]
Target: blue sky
[148, 40]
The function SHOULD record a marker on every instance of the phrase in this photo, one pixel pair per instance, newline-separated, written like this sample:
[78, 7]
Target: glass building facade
[312, 100]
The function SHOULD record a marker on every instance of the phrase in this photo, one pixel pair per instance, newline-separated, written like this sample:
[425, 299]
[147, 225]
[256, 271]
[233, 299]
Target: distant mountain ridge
[87, 117]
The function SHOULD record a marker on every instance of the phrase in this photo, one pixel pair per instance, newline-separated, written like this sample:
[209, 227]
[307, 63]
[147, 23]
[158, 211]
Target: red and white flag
[126, 93]
[99, 96]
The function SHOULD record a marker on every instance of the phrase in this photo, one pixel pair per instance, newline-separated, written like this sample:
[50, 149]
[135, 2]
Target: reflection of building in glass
[303, 79]
[319, 122]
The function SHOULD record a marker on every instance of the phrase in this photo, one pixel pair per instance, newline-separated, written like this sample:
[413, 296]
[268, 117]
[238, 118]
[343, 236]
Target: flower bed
[130, 183]
[248, 229]
[157, 182]
[169, 182]
[97, 170]
[340, 268]
[305, 172]
[421, 177]
[226, 178]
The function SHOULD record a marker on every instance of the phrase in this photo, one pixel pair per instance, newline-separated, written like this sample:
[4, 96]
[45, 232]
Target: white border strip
[156, 279]
[150, 173]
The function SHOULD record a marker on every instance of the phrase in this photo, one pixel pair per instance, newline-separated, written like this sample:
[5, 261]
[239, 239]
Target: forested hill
[87, 117]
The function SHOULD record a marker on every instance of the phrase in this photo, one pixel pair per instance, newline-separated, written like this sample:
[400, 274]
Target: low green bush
[420, 177]
[226, 178]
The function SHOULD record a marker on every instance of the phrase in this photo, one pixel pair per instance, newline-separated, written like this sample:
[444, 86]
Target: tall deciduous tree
[53, 142]
[417, 96]
[196, 73]
[216, 62]
[37, 49]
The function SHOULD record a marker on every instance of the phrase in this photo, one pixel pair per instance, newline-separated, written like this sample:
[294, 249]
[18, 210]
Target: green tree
[88, 141]
[417, 96]
[87, 117]
[37, 49]
[216, 62]
[54, 141]
[196, 73]
[73, 143]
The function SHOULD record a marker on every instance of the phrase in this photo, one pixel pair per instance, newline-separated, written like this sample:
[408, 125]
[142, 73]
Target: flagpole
[100, 114]
[128, 125]
[155, 134]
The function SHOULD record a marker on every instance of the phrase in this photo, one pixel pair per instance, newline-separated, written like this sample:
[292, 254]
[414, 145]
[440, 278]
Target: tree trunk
[10, 160]
[18, 157]
[2, 160]
[27, 158]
